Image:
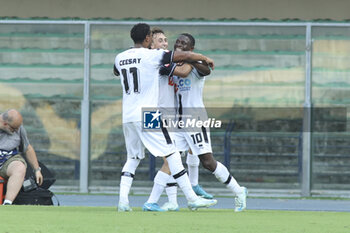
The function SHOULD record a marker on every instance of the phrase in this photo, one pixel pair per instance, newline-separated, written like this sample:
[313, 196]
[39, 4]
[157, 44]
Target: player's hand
[210, 63]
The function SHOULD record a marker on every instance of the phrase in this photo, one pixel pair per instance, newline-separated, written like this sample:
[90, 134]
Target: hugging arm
[202, 68]
[179, 56]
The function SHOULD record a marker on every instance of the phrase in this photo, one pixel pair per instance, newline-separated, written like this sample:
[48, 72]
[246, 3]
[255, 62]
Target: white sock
[234, 186]
[125, 185]
[179, 173]
[7, 202]
[192, 165]
[171, 191]
[126, 179]
[160, 181]
[223, 175]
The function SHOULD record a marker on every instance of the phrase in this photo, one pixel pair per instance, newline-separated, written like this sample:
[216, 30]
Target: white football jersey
[189, 90]
[139, 75]
[190, 106]
[167, 93]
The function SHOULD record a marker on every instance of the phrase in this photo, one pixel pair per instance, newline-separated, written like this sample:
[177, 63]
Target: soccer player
[189, 96]
[163, 177]
[139, 68]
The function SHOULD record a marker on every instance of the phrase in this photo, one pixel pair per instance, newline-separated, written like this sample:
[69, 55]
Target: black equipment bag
[49, 177]
[33, 194]
[38, 196]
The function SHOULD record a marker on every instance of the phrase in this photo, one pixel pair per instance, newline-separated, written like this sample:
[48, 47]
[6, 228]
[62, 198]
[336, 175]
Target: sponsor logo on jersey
[151, 119]
[172, 83]
[184, 84]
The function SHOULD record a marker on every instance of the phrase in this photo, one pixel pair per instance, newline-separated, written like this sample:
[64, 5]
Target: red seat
[2, 195]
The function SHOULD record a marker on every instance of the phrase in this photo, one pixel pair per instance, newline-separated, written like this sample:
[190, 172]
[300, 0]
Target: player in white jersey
[139, 68]
[190, 101]
[163, 177]
[189, 95]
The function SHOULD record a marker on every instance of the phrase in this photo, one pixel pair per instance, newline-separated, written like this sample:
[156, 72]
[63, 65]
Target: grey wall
[178, 9]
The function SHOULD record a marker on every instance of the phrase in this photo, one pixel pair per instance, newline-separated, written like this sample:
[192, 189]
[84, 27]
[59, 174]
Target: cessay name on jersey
[129, 61]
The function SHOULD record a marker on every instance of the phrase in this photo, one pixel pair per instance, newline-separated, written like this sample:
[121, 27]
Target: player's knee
[131, 165]
[211, 166]
[208, 162]
[192, 160]
[165, 168]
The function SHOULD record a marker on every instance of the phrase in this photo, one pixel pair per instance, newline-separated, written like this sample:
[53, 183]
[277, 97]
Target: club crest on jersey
[151, 119]
[184, 84]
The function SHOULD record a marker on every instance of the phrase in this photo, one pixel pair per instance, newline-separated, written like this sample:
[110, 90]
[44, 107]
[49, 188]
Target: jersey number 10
[133, 71]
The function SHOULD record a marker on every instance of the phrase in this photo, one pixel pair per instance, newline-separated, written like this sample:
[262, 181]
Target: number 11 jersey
[139, 75]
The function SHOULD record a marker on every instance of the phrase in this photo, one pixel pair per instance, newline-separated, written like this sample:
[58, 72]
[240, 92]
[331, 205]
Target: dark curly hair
[189, 36]
[139, 32]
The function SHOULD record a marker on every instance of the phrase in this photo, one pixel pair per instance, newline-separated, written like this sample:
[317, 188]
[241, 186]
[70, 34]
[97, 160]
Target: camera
[29, 184]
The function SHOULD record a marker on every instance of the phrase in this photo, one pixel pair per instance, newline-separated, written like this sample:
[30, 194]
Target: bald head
[12, 119]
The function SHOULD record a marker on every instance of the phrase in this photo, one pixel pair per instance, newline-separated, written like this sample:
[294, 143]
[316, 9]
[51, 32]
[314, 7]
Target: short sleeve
[197, 73]
[167, 69]
[167, 57]
[115, 71]
[23, 146]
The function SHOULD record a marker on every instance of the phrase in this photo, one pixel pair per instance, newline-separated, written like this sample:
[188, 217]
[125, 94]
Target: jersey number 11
[133, 71]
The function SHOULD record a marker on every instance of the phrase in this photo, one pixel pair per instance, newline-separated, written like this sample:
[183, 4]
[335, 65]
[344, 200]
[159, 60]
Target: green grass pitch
[42, 219]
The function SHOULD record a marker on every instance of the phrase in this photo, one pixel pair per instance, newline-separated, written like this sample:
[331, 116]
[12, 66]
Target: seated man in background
[13, 139]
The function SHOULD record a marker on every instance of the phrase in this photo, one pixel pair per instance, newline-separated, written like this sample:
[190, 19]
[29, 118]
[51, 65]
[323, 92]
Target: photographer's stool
[2, 195]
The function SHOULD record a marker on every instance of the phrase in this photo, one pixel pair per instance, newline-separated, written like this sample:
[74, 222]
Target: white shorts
[199, 142]
[159, 143]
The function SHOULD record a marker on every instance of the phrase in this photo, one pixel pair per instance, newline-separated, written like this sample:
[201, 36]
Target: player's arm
[183, 70]
[167, 69]
[115, 71]
[202, 68]
[179, 56]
